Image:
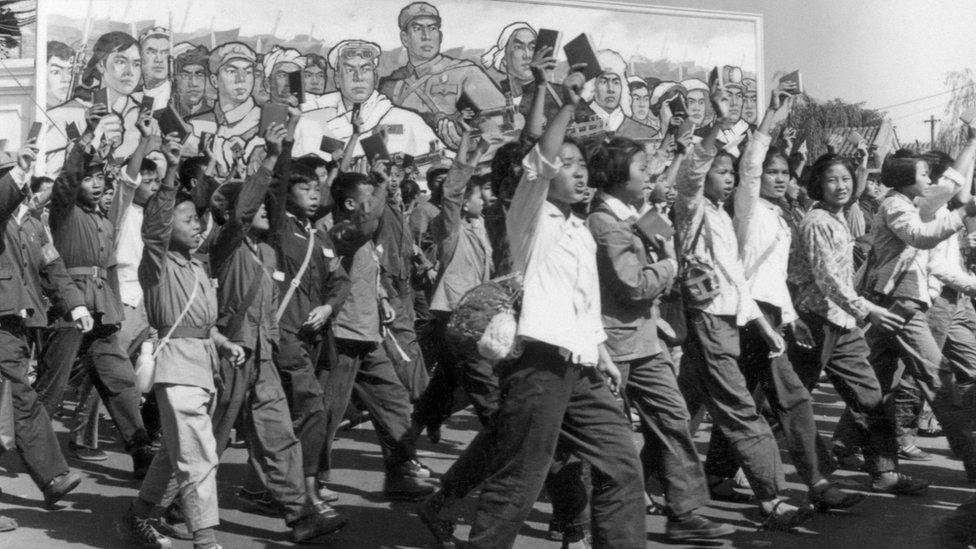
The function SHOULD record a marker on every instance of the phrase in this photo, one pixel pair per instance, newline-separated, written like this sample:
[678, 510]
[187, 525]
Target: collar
[551, 210]
[771, 205]
[179, 259]
[425, 68]
[236, 114]
[895, 193]
[307, 225]
[619, 208]
[21, 214]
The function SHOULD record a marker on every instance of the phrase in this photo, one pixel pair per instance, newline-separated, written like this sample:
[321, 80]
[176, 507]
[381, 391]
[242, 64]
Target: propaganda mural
[410, 72]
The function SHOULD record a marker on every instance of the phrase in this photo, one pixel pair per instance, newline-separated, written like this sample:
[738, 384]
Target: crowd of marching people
[570, 288]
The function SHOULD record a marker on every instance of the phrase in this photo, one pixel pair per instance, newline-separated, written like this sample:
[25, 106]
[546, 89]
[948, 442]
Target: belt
[185, 332]
[94, 272]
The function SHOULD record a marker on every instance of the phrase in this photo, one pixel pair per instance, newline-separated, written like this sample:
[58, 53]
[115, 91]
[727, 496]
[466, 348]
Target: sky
[880, 52]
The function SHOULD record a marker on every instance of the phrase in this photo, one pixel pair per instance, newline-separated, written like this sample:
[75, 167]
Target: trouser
[254, 392]
[403, 348]
[364, 367]
[669, 454]
[84, 425]
[187, 462]
[844, 356]
[710, 377]
[544, 399]
[789, 400]
[112, 373]
[33, 433]
[913, 349]
[456, 368]
[296, 361]
[424, 327]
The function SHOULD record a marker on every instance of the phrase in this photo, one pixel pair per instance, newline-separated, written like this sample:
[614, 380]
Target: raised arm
[903, 219]
[157, 222]
[447, 226]
[542, 62]
[13, 185]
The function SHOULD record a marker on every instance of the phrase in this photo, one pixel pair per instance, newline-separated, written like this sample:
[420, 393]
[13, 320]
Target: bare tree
[952, 135]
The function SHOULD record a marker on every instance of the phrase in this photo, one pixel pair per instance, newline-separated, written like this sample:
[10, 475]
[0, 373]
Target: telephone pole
[931, 122]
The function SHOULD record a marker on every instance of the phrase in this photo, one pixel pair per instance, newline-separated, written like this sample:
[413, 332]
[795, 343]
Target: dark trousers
[33, 434]
[296, 362]
[914, 350]
[110, 369]
[410, 368]
[365, 368]
[456, 369]
[544, 399]
[710, 377]
[253, 392]
[788, 399]
[844, 356]
[669, 453]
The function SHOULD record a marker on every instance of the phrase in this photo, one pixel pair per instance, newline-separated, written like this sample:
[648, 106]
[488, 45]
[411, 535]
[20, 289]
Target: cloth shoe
[143, 533]
[695, 526]
[833, 497]
[84, 453]
[913, 453]
[400, 487]
[892, 482]
[260, 503]
[316, 525]
[60, 486]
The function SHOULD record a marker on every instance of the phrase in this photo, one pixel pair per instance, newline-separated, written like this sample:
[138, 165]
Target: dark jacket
[13, 298]
[631, 280]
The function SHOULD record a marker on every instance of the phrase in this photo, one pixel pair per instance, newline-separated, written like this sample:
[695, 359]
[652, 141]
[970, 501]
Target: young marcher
[85, 238]
[246, 271]
[181, 304]
[897, 277]
[361, 362]
[33, 434]
[633, 274]
[764, 241]
[559, 388]
[821, 270]
[464, 253]
[313, 289]
[709, 374]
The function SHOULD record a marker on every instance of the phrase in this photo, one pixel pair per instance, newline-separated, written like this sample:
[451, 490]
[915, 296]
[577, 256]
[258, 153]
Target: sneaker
[442, 530]
[784, 516]
[724, 490]
[141, 459]
[913, 453]
[84, 453]
[260, 503]
[142, 531]
[60, 486]
[316, 525]
[694, 526]
[399, 487]
[833, 497]
[893, 482]
[412, 468]
[173, 526]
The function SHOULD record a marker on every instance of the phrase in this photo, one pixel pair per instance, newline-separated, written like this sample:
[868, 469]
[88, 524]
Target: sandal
[784, 521]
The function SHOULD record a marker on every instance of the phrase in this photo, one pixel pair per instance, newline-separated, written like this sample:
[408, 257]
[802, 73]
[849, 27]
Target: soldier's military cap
[415, 10]
[230, 51]
[350, 48]
[153, 32]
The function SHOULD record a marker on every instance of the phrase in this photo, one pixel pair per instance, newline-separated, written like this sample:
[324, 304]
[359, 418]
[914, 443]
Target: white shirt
[718, 245]
[613, 119]
[327, 115]
[561, 288]
[764, 237]
[946, 266]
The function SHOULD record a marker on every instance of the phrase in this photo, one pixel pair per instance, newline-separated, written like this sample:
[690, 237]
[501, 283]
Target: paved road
[89, 517]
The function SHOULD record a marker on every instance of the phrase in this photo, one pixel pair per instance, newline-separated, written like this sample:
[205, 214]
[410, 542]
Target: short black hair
[409, 190]
[147, 166]
[301, 174]
[60, 50]
[309, 162]
[507, 157]
[609, 164]
[899, 169]
[820, 167]
[317, 60]
[346, 186]
[436, 191]
[191, 168]
[37, 181]
[938, 162]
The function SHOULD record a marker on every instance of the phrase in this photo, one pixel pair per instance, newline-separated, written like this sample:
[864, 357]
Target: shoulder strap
[297, 280]
[182, 315]
[762, 258]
